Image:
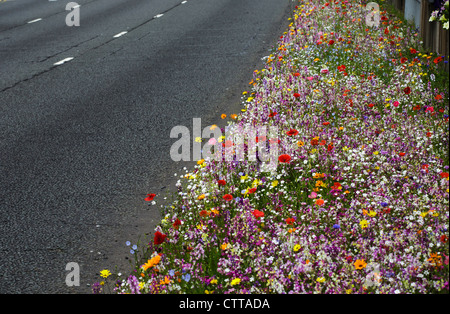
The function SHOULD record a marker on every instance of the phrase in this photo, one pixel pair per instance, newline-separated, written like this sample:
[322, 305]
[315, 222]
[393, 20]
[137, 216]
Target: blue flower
[186, 277]
[336, 226]
[128, 243]
[172, 273]
[384, 204]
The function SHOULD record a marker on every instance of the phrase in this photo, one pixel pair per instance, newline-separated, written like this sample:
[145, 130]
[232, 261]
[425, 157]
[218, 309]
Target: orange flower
[360, 264]
[320, 202]
[223, 116]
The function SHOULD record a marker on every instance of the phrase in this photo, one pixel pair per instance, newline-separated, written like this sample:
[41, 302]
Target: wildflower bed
[358, 203]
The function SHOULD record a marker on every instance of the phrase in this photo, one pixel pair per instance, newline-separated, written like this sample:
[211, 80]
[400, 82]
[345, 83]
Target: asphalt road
[82, 143]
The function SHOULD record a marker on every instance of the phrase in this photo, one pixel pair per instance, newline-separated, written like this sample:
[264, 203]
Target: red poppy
[296, 95]
[221, 182]
[203, 213]
[251, 191]
[272, 114]
[176, 223]
[412, 50]
[341, 68]
[429, 134]
[323, 143]
[284, 158]
[444, 175]
[290, 221]
[386, 210]
[402, 154]
[407, 90]
[257, 214]
[437, 60]
[227, 197]
[425, 167]
[330, 147]
[159, 238]
[292, 132]
[444, 238]
[331, 42]
[403, 60]
[150, 197]
[438, 97]
[296, 74]
[386, 31]
[314, 142]
[371, 105]
[326, 123]
[320, 202]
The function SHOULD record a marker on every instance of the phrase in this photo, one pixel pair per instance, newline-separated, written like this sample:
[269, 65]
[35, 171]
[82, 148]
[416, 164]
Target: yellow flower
[300, 143]
[256, 182]
[198, 139]
[375, 152]
[200, 161]
[423, 214]
[105, 273]
[224, 246]
[213, 282]
[320, 279]
[297, 247]
[275, 183]
[235, 281]
[372, 213]
[348, 291]
[364, 224]
[213, 127]
[201, 197]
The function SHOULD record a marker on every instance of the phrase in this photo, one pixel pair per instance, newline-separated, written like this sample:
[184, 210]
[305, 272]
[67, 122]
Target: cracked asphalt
[82, 143]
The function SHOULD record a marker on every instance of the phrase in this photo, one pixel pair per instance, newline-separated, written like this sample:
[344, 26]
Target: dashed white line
[120, 34]
[157, 16]
[34, 21]
[183, 2]
[63, 61]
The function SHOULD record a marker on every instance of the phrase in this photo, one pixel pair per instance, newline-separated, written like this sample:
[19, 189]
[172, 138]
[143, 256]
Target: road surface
[85, 119]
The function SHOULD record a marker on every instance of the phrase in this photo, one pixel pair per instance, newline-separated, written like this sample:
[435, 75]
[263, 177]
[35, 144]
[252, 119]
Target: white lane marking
[34, 21]
[63, 61]
[157, 16]
[120, 34]
[183, 2]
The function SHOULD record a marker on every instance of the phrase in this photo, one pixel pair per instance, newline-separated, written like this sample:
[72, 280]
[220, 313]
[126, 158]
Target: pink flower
[313, 195]
[396, 103]
[310, 78]
[324, 71]
[429, 109]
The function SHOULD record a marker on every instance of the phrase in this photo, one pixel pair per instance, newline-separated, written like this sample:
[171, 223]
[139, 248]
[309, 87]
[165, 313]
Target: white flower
[445, 25]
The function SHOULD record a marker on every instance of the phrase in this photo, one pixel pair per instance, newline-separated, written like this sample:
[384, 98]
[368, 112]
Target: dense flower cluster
[441, 15]
[358, 202]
